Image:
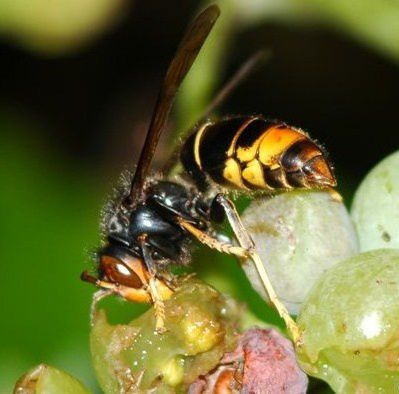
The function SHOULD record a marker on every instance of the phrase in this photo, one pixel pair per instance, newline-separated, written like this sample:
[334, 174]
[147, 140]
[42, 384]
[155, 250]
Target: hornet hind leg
[248, 245]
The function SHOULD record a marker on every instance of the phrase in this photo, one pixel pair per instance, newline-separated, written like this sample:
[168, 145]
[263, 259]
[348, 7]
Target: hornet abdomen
[252, 153]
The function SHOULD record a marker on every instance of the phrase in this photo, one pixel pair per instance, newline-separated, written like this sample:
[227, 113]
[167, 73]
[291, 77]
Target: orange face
[125, 274]
[123, 269]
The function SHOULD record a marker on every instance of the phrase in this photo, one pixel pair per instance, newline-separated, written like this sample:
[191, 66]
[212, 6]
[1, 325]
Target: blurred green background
[77, 85]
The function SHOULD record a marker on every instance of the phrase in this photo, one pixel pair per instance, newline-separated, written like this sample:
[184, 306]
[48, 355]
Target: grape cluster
[338, 272]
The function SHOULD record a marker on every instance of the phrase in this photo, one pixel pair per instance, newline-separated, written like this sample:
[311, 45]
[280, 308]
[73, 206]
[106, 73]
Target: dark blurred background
[77, 88]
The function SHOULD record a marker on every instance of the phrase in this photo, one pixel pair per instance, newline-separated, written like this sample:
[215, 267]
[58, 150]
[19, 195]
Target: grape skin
[298, 235]
[350, 324]
[375, 209]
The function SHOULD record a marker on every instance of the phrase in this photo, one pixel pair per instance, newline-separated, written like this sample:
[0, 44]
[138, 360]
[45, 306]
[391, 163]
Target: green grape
[375, 209]
[350, 324]
[44, 379]
[298, 235]
[200, 327]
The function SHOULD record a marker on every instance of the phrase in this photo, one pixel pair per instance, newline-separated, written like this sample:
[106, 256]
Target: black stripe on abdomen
[252, 132]
[215, 143]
